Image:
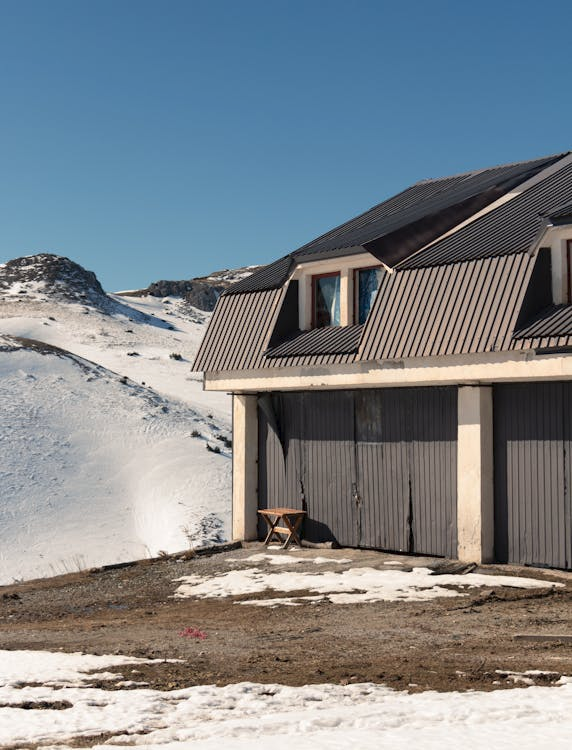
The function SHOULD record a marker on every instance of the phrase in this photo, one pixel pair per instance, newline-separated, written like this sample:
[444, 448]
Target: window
[366, 284]
[326, 300]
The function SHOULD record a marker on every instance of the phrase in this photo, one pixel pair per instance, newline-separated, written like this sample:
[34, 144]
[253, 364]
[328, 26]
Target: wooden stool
[290, 517]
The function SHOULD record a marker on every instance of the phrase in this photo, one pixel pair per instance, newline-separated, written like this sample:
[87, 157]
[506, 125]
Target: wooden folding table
[291, 520]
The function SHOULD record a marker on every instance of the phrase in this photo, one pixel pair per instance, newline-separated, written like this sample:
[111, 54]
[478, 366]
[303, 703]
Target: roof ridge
[473, 172]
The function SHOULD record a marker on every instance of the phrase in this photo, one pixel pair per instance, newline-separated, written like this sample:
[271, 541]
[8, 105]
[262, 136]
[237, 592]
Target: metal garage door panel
[372, 468]
[532, 473]
[406, 448]
[433, 433]
[382, 455]
[329, 471]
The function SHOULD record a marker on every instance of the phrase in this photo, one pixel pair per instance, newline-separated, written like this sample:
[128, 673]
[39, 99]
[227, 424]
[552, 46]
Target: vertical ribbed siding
[377, 467]
[330, 465]
[454, 309]
[383, 469]
[433, 467]
[533, 472]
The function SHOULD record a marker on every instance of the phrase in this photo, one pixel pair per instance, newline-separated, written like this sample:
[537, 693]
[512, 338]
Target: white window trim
[346, 266]
[557, 238]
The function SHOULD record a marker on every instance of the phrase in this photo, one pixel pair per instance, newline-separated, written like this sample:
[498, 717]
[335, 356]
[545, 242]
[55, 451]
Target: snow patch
[250, 716]
[356, 585]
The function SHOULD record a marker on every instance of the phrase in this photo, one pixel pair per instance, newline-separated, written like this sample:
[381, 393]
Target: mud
[442, 644]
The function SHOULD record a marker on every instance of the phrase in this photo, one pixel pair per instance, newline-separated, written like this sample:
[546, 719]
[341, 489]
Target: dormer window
[366, 284]
[326, 300]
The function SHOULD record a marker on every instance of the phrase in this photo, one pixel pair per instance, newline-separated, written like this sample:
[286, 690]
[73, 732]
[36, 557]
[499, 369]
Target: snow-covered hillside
[103, 428]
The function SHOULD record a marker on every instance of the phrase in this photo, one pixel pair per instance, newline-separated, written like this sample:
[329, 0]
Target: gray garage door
[533, 472]
[373, 468]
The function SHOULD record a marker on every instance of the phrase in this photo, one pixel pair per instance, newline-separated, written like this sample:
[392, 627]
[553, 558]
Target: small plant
[225, 441]
[213, 448]
[193, 633]
[176, 355]
[196, 433]
[209, 416]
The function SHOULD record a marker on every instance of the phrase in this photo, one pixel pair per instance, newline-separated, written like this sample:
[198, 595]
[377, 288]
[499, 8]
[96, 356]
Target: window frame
[356, 272]
[314, 278]
[568, 266]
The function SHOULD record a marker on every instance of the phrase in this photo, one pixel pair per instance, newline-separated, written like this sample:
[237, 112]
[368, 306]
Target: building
[406, 378]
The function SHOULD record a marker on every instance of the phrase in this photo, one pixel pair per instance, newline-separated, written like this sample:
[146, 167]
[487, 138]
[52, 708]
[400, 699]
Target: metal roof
[561, 214]
[239, 331]
[510, 228]
[461, 295]
[326, 340]
[456, 309]
[421, 200]
[271, 276]
[554, 321]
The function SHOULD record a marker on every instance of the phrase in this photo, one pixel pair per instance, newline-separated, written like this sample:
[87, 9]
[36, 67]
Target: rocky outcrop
[201, 292]
[52, 275]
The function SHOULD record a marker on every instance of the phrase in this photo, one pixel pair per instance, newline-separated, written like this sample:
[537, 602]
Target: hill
[103, 428]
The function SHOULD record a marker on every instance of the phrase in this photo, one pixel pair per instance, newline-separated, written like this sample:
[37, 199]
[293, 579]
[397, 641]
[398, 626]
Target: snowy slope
[95, 470]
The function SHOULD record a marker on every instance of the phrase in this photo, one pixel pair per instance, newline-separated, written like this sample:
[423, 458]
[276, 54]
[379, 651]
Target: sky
[165, 139]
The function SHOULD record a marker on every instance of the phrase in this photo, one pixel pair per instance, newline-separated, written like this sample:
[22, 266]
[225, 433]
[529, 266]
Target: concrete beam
[475, 489]
[244, 467]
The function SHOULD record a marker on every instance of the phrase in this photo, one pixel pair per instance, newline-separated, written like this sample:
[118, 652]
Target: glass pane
[368, 284]
[327, 301]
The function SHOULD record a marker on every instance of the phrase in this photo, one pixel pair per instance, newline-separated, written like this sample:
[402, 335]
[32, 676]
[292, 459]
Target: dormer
[337, 292]
[559, 238]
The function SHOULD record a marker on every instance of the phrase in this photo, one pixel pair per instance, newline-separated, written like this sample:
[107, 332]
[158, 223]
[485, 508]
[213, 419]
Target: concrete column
[244, 466]
[475, 491]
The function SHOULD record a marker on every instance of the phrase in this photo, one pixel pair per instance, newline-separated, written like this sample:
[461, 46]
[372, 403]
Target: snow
[356, 585]
[273, 559]
[250, 716]
[99, 462]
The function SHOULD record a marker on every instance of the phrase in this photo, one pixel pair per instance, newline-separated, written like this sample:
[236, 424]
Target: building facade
[407, 377]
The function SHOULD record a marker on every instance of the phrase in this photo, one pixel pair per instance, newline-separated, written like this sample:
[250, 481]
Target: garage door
[372, 468]
[533, 472]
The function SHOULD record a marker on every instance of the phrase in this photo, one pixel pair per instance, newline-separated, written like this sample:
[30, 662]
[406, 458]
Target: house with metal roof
[406, 378]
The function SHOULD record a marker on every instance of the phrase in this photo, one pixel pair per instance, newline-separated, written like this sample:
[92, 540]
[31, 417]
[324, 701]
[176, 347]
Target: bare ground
[442, 644]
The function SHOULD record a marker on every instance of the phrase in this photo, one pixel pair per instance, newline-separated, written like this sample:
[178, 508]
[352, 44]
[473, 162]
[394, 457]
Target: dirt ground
[442, 644]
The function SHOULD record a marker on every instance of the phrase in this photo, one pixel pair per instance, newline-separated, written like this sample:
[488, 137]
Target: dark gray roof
[326, 340]
[401, 225]
[271, 276]
[510, 228]
[562, 214]
[462, 308]
[464, 294]
[239, 331]
[422, 200]
[556, 320]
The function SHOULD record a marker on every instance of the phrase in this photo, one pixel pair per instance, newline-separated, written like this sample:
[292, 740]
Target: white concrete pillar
[475, 490]
[244, 466]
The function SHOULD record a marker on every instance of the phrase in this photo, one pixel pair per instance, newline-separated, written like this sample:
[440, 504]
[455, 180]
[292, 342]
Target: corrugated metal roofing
[326, 340]
[455, 309]
[419, 201]
[510, 228]
[239, 331]
[271, 276]
[562, 212]
[461, 295]
[555, 321]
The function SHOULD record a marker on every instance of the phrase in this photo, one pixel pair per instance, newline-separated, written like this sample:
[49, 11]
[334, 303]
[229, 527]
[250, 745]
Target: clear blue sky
[166, 139]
